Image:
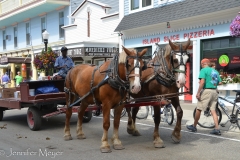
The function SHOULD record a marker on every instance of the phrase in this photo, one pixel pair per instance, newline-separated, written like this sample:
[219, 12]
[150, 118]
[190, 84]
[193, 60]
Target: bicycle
[167, 114]
[206, 119]
[142, 112]
[122, 114]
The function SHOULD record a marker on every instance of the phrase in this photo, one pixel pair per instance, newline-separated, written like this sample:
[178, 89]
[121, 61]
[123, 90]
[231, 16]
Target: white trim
[68, 26]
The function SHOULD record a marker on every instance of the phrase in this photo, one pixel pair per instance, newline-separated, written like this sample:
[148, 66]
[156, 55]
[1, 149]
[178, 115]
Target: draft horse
[105, 86]
[165, 74]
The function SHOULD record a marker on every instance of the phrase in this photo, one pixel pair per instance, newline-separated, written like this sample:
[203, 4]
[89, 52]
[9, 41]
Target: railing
[8, 5]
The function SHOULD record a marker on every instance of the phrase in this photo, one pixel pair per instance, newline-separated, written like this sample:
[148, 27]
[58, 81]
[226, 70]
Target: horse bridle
[182, 53]
[128, 74]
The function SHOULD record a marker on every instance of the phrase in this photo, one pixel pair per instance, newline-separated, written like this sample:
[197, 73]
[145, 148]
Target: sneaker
[192, 128]
[216, 132]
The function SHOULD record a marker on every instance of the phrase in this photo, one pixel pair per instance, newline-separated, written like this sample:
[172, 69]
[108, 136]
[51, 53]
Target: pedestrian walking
[5, 80]
[207, 95]
[18, 78]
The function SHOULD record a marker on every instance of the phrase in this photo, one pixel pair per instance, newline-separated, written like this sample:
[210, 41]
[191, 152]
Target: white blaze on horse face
[136, 86]
[181, 79]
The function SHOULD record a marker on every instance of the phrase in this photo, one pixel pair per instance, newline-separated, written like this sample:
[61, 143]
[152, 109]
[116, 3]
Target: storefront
[12, 65]
[210, 42]
[224, 51]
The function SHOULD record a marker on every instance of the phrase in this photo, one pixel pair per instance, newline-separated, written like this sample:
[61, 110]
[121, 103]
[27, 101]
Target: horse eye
[175, 61]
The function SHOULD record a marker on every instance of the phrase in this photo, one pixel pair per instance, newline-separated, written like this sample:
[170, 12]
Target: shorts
[209, 99]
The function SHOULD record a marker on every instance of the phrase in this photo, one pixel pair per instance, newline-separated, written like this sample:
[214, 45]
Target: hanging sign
[223, 60]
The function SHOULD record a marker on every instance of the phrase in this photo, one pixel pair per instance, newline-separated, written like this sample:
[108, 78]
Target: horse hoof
[105, 150]
[136, 133]
[159, 145]
[67, 138]
[129, 131]
[81, 136]
[175, 140]
[118, 146]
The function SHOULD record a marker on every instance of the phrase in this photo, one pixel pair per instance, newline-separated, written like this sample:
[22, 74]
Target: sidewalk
[187, 119]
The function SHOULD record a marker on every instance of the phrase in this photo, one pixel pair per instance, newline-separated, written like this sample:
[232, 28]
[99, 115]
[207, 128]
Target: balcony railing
[9, 5]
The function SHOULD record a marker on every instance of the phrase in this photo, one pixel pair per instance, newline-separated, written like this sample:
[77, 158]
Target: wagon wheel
[87, 116]
[34, 118]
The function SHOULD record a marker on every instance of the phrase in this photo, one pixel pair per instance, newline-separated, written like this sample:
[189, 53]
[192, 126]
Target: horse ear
[142, 52]
[186, 44]
[173, 46]
[129, 53]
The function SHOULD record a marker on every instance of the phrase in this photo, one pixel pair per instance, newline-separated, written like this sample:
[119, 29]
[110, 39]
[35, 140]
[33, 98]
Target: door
[189, 80]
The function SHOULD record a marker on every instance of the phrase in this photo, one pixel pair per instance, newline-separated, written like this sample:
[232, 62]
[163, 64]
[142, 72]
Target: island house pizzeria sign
[176, 37]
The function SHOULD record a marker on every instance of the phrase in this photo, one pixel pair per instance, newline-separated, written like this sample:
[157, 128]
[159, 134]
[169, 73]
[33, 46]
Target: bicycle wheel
[238, 118]
[167, 115]
[142, 112]
[122, 114]
[206, 119]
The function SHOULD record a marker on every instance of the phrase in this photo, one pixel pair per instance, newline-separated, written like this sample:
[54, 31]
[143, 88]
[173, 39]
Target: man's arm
[56, 65]
[200, 88]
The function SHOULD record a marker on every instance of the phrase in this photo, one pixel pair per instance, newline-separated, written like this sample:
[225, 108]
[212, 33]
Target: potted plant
[45, 61]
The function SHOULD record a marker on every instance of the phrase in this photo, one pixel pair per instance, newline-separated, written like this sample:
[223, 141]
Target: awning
[4, 66]
[6, 60]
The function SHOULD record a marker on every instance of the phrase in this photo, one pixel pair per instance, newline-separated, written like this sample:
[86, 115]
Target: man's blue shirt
[5, 78]
[61, 61]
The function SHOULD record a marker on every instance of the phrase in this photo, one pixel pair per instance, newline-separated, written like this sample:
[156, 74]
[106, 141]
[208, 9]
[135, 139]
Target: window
[4, 39]
[43, 25]
[227, 46]
[15, 37]
[146, 3]
[147, 55]
[27, 34]
[61, 23]
[134, 4]
[78, 62]
[138, 4]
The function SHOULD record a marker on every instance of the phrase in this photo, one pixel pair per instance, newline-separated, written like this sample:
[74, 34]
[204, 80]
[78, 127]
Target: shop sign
[4, 60]
[151, 40]
[235, 59]
[172, 38]
[197, 34]
[101, 51]
[77, 52]
[223, 60]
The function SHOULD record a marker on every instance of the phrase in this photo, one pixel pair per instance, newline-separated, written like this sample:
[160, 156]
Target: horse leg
[67, 134]
[81, 111]
[157, 141]
[105, 148]
[117, 144]
[130, 128]
[176, 135]
[135, 131]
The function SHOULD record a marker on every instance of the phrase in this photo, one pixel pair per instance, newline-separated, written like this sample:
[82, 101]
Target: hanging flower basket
[45, 61]
[235, 26]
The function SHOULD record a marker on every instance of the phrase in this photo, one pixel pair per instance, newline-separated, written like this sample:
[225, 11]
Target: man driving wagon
[63, 63]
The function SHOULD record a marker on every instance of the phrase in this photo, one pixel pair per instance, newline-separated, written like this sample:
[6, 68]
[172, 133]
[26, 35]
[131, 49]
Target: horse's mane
[123, 55]
[167, 50]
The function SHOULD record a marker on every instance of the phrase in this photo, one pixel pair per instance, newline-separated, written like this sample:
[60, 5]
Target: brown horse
[159, 80]
[105, 86]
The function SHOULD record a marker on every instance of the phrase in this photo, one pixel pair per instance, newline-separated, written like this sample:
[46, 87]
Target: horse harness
[111, 77]
[163, 74]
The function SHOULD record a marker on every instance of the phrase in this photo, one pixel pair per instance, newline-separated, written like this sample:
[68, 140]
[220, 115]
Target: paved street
[17, 142]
